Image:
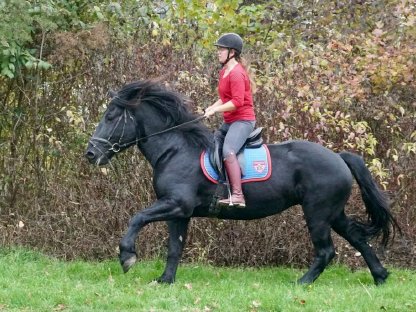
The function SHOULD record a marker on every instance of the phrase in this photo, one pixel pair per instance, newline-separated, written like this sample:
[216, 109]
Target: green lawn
[30, 281]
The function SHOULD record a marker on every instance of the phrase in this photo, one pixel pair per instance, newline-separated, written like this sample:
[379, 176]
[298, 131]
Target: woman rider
[236, 103]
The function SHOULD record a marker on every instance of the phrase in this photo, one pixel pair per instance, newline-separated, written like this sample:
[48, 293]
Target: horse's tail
[380, 219]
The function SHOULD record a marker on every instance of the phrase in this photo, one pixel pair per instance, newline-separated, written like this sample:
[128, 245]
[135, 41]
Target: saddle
[254, 140]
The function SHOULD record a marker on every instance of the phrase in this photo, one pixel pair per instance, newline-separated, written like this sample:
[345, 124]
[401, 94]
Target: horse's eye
[111, 113]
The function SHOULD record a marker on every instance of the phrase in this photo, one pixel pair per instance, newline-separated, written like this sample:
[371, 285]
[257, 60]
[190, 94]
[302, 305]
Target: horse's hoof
[129, 263]
[165, 280]
[379, 281]
[381, 278]
[303, 282]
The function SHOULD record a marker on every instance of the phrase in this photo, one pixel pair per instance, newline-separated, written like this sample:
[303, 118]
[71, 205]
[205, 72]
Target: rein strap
[116, 147]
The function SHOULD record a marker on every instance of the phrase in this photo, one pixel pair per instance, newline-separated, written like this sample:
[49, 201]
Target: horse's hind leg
[352, 232]
[320, 232]
[324, 252]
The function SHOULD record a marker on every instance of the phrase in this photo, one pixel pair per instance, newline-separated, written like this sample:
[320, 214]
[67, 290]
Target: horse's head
[115, 132]
[141, 110]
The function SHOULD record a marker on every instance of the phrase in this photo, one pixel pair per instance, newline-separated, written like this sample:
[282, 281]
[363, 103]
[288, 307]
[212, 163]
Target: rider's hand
[209, 112]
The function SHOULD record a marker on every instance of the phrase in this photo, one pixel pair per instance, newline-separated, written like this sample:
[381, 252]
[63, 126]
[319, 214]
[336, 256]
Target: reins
[116, 147]
[171, 128]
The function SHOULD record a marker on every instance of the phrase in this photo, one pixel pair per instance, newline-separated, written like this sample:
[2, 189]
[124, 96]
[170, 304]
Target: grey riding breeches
[236, 134]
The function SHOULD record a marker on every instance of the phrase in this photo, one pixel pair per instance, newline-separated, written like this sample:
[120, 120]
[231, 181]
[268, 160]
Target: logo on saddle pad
[254, 162]
[259, 165]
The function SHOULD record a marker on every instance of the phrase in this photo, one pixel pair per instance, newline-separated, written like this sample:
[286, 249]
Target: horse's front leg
[178, 230]
[162, 210]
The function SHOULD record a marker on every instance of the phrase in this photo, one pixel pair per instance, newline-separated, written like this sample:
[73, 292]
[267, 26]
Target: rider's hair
[250, 71]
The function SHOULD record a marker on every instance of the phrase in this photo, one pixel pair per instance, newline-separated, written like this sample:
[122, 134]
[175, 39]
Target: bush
[352, 90]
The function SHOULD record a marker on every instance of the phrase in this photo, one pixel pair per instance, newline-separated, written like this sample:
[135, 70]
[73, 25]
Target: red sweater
[236, 87]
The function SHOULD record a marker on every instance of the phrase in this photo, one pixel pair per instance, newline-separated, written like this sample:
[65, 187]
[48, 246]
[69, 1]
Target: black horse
[159, 122]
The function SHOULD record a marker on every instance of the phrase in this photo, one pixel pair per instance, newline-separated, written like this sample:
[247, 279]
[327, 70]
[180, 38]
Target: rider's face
[222, 54]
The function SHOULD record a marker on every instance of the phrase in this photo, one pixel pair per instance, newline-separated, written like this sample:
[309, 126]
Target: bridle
[115, 147]
[118, 146]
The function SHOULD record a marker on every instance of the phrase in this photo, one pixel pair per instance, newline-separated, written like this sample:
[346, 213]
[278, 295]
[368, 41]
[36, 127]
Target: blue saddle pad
[254, 162]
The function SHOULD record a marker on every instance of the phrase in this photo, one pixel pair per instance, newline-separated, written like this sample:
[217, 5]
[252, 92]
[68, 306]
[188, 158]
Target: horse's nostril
[89, 155]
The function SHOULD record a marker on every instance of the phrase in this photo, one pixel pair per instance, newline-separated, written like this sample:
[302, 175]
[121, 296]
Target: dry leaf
[60, 307]
[188, 286]
[378, 32]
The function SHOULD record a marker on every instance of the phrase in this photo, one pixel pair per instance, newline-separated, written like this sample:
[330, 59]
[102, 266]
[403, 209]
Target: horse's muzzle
[96, 156]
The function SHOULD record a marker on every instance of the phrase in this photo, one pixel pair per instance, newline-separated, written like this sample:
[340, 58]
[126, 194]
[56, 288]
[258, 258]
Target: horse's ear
[111, 94]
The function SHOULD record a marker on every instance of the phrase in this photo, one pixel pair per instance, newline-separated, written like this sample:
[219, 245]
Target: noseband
[118, 146]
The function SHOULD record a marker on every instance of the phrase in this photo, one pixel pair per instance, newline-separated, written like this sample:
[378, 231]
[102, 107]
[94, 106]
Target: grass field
[30, 281]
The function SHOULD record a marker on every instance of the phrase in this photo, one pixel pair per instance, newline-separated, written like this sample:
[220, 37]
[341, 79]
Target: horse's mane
[172, 106]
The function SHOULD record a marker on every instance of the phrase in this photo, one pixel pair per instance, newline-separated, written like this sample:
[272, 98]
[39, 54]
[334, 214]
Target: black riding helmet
[230, 41]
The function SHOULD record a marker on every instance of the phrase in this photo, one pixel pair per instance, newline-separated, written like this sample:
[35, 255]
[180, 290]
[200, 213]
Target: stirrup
[239, 205]
[224, 202]
[230, 203]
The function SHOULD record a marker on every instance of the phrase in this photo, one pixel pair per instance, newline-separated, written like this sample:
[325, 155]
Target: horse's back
[311, 165]
[308, 154]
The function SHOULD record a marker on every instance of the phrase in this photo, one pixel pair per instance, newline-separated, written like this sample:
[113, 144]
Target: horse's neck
[157, 147]
[152, 152]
